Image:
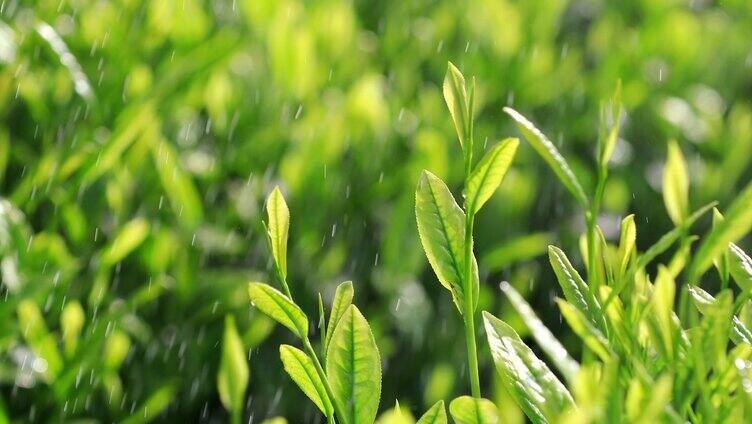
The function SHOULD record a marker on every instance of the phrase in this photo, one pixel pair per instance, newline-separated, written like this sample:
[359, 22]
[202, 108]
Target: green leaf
[435, 415]
[585, 330]
[721, 262]
[343, 297]
[627, 243]
[130, 236]
[534, 387]
[608, 139]
[663, 305]
[676, 184]
[736, 223]
[153, 406]
[39, 339]
[177, 184]
[232, 379]
[739, 332]
[489, 172]
[740, 267]
[551, 155]
[576, 291]
[702, 299]
[469, 410]
[353, 368]
[279, 307]
[441, 226]
[301, 369]
[546, 340]
[278, 216]
[456, 98]
[72, 322]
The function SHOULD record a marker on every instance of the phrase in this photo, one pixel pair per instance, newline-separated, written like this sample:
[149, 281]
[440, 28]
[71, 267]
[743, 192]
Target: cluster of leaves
[139, 140]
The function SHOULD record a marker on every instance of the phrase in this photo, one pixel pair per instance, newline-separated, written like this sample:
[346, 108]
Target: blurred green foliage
[139, 139]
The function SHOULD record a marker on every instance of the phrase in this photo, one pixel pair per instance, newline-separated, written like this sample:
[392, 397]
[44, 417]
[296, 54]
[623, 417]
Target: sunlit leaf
[740, 267]
[469, 410]
[676, 184]
[551, 155]
[343, 297]
[435, 415]
[455, 95]
[278, 216]
[130, 236]
[489, 172]
[441, 226]
[279, 307]
[353, 368]
[534, 387]
[585, 329]
[303, 372]
[576, 291]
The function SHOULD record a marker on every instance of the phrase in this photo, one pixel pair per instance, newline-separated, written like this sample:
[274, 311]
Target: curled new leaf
[456, 97]
[550, 154]
[353, 368]
[489, 172]
[279, 225]
[279, 307]
[303, 372]
[343, 297]
[676, 184]
[469, 410]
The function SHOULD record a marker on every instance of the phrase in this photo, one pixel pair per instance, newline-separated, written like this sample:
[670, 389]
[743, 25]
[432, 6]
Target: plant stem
[469, 307]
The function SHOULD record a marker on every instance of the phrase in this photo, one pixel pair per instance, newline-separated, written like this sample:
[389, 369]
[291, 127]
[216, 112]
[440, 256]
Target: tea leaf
[435, 415]
[279, 225]
[575, 289]
[608, 140]
[740, 267]
[676, 184]
[627, 243]
[39, 338]
[585, 329]
[489, 172]
[736, 223]
[303, 372]
[534, 387]
[343, 297]
[739, 332]
[455, 96]
[72, 321]
[663, 305]
[547, 341]
[551, 155]
[441, 226]
[127, 240]
[177, 183]
[469, 410]
[279, 307]
[232, 379]
[721, 262]
[702, 299]
[353, 368]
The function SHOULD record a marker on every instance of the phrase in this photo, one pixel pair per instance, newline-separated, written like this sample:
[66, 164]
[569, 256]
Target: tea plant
[446, 230]
[645, 358]
[347, 388]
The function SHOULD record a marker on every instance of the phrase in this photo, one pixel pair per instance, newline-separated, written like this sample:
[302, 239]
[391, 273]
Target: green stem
[592, 221]
[322, 375]
[235, 418]
[469, 307]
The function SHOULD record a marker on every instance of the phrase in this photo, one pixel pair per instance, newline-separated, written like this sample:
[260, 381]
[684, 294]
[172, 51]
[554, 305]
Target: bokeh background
[139, 140]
